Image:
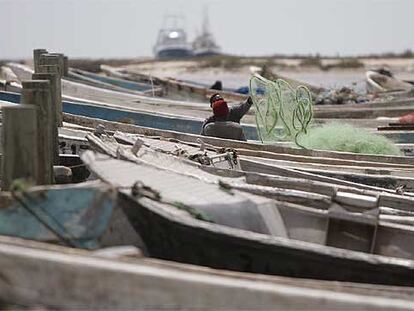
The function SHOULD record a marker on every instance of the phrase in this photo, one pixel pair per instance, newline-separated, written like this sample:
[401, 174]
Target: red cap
[220, 108]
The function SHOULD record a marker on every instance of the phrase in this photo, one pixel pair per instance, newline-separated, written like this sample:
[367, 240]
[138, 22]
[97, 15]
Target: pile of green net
[282, 112]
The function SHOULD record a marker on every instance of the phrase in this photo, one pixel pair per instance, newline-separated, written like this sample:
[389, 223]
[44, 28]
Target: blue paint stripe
[118, 82]
[178, 124]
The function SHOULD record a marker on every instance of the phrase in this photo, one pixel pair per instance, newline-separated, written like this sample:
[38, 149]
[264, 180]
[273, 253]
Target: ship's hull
[174, 53]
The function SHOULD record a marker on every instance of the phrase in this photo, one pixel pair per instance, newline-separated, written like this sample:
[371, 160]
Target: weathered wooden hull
[169, 233]
[114, 83]
[76, 279]
[118, 114]
[73, 215]
[171, 238]
[273, 151]
[172, 88]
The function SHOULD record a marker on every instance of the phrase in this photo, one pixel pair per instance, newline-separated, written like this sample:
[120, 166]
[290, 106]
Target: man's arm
[238, 111]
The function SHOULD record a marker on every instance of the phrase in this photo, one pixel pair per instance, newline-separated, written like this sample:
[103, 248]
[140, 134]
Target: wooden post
[52, 59]
[37, 92]
[65, 66]
[57, 101]
[19, 140]
[36, 56]
[61, 60]
[54, 79]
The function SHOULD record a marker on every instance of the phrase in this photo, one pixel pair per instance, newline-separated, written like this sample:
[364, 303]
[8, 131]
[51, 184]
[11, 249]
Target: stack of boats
[319, 229]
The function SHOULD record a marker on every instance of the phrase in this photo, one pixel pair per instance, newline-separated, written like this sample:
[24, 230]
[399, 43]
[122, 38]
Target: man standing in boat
[225, 121]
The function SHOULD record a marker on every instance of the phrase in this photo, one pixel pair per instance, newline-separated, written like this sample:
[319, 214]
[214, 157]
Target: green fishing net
[282, 112]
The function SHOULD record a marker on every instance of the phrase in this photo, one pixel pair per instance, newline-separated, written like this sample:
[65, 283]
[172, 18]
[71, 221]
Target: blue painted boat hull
[129, 85]
[184, 125]
[71, 215]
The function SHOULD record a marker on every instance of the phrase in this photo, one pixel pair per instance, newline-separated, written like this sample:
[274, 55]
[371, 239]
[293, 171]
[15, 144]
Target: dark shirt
[225, 129]
[236, 112]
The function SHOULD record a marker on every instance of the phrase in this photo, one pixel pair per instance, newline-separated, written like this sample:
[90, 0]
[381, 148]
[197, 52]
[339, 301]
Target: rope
[65, 237]
[282, 112]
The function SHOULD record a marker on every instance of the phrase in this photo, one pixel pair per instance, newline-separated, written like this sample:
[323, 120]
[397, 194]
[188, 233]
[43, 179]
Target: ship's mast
[206, 24]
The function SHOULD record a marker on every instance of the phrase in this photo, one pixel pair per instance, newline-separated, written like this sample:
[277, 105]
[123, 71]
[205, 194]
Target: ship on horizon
[205, 44]
[172, 40]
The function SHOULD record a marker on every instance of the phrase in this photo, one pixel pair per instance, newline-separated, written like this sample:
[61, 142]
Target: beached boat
[70, 278]
[76, 91]
[172, 88]
[187, 230]
[76, 215]
[315, 191]
[114, 84]
[272, 151]
[120, 113]
[382, 80]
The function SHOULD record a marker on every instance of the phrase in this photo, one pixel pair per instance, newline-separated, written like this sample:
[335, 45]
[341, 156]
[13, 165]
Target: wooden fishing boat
[382, 80]
[114, 84]
[393, 99]
[322, 192]
[170, 232]
[191, 125]
[70, 278]
[192, 144]
[120, 100]
[123, 114]
[296, 168]
[76, 215]
[172, 88]
[272, 151]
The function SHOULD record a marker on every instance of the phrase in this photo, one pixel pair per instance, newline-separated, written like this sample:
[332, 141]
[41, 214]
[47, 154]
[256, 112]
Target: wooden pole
[53, 59]
[54, 79]
[36, 56]
[61, 60]
[19, 140]
[57, 101]
[65, 66]
[37, 93]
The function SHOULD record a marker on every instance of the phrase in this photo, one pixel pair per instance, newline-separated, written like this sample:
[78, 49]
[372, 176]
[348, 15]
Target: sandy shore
[236, 77]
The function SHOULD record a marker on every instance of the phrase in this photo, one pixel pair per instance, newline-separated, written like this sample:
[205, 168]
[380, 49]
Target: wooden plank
[37, 93]
[66, 275]
[56, 114]
[57, 89]
[19, 140]
[36, 57]
[396, 128]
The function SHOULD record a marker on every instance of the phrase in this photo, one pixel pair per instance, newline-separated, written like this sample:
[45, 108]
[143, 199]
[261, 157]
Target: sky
[128, 28]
